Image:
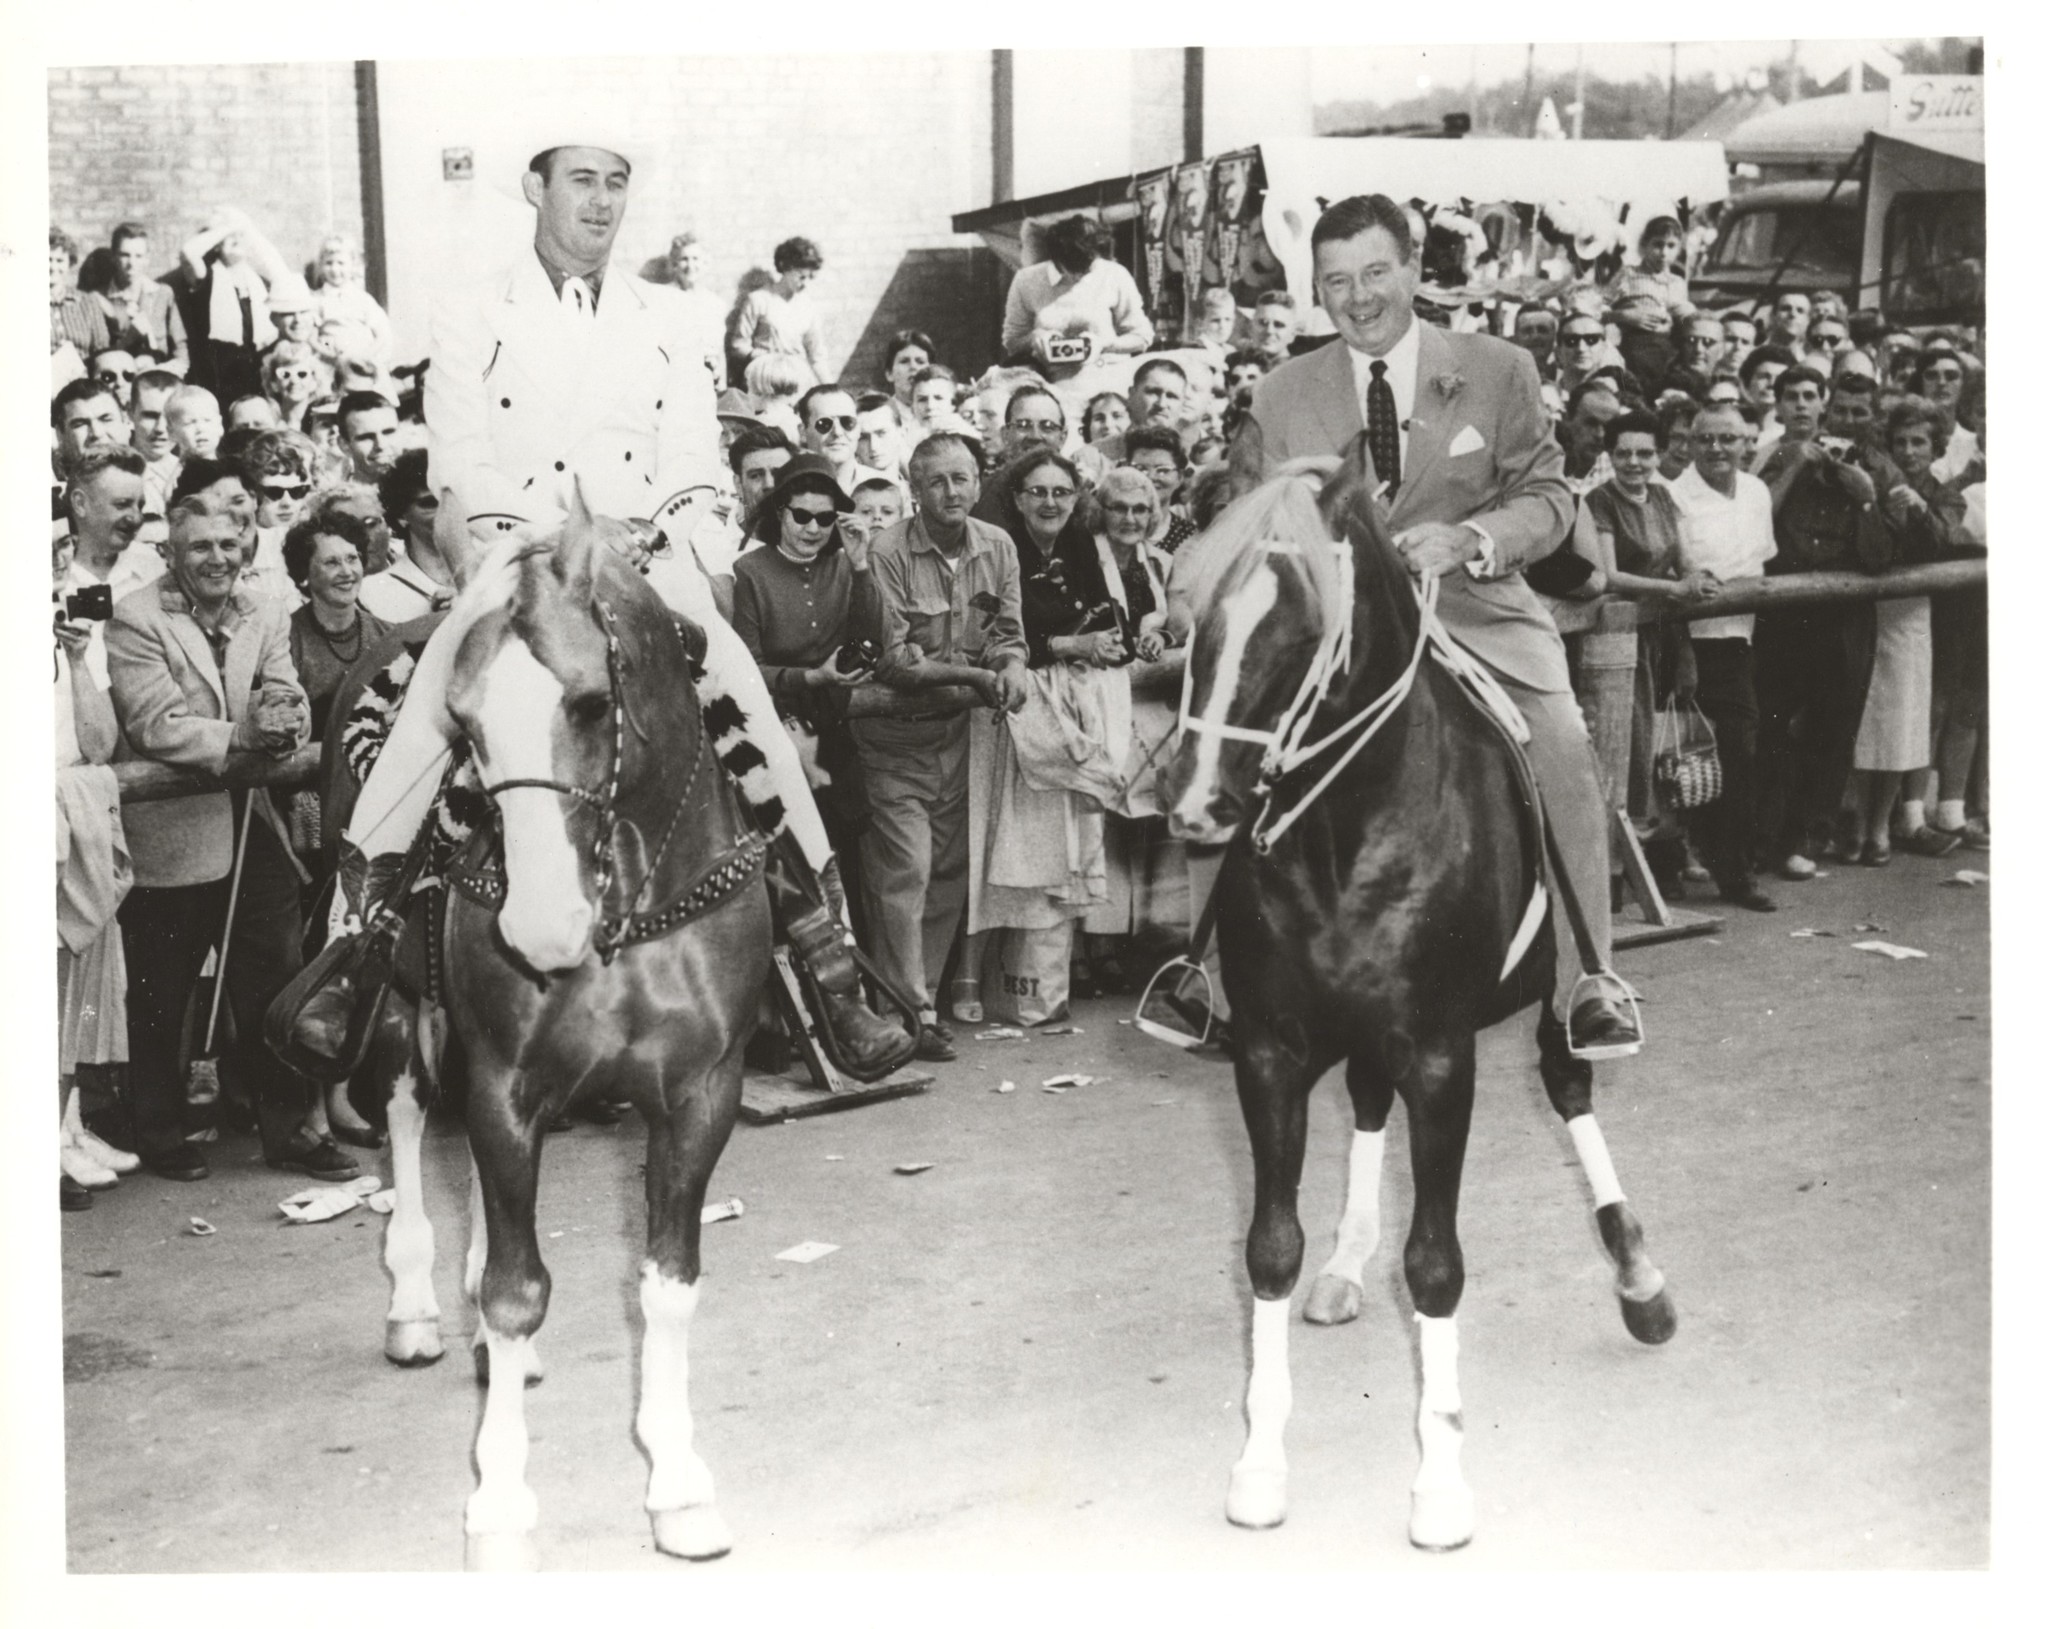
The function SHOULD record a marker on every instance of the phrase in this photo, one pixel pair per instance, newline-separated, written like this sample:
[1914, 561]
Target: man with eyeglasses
[831, 426]
[105, 500]
[1702, 343]
[1724, 530]
[1034, 420]
[1824, 338]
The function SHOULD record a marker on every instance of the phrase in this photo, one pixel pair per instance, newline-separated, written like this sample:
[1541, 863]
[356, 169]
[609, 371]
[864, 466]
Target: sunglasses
[1951, 375]
[1583, 339]
[845, 421]
[297, 489]
[1057, 494]
[812, 517]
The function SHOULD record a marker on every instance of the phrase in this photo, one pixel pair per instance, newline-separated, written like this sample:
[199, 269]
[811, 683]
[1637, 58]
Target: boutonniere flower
[1448, 385]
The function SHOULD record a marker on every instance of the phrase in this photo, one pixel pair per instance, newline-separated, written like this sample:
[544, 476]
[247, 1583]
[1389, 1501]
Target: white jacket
[524, 397]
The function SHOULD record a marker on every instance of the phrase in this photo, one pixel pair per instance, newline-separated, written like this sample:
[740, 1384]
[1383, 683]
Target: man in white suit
[564, 371]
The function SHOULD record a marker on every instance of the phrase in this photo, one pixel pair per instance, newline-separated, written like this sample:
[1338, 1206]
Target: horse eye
[590, 707]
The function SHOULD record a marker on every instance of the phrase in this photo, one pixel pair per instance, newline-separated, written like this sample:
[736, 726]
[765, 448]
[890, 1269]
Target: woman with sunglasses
[294, 378]
[806, 607]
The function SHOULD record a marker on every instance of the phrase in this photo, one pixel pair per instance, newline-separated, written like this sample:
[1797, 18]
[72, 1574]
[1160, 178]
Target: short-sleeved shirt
[1645, 534]
[966, 610]
[1729, 536]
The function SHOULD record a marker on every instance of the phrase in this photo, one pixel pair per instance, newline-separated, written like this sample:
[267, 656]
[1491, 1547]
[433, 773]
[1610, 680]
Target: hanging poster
[1188, 239]
[1154, 196]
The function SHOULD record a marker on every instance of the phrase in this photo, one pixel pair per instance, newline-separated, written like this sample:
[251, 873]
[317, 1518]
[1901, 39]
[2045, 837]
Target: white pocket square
[1465, 441]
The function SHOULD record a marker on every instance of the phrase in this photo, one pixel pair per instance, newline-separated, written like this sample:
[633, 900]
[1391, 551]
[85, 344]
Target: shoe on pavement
[1931, 840]
[183, 1163]
[320, 1158]
[934, 1045]
[70, 1196]
[102, 1152]
[1749, 897]
[1977, 835]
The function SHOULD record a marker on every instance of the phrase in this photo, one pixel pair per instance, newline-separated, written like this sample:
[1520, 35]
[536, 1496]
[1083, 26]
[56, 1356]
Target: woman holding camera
[1075, 305]
[806, 607]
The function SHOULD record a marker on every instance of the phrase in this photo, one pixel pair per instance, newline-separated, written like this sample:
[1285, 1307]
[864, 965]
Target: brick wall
[166, 145]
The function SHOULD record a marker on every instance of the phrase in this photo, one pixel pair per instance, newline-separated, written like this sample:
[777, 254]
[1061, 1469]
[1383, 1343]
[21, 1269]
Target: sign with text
[1937, 102]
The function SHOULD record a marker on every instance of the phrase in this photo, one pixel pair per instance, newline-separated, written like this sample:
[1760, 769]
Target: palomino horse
[623, 943]
[1383, 907]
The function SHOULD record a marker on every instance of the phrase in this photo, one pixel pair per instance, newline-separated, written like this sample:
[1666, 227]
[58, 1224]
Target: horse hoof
[500, 1552]
[1440, 1519]
[1257, 1498]
[1653, 1322]
[413, 1343]
[1332, 1300]
[694, 1532]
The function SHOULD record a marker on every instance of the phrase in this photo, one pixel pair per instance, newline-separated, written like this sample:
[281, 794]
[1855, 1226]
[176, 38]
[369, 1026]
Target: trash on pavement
[730, 1211]
[200, 1228]
[1063, 1029]
[382, 1201]
[323, 1204]
[1966, 879]
[1007, 1086]
[1002, 1032]
[1815, 933]
[913, 1167]
[1898, 953]
[810, 1250]
[1060, 1082]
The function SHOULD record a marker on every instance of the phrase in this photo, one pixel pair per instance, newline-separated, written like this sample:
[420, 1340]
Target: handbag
[1685, 762]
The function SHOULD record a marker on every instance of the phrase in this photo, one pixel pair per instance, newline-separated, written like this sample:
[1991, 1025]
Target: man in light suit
[1475, 492]
[202, 677]
[565, 373]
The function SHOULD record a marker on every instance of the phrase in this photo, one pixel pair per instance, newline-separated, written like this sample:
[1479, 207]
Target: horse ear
[1357, 465]
[576, 554]
[451, 537]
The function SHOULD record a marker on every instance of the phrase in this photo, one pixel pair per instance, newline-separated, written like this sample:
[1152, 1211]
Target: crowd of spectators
[241, 506]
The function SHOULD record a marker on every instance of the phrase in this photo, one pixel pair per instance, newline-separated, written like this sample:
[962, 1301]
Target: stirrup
[1605, 982]
[1174, 1005]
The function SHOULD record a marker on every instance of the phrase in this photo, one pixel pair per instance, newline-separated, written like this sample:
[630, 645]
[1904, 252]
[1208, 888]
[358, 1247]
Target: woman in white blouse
[1075, 305]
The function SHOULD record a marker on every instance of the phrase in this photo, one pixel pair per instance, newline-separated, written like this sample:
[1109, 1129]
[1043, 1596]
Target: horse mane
[1283, 509]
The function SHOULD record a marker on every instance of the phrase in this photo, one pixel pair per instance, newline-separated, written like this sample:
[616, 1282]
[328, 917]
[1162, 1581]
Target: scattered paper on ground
[1966, 879]
[729, 1210]
[1898, 953]
[810, 1250]
[1007, 1086]
[1063, 1029]
[1059, 1082]
[830, 1157]
[325, 1203]
[382, 1201]
[1814, 933]
[1003, 1032]
[913, 1167]
[200, 1228]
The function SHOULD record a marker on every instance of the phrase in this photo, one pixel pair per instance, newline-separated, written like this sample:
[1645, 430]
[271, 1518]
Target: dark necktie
[1383, 429]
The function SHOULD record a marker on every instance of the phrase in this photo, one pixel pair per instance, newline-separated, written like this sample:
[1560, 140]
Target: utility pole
[1529, 88]
[1792, 75]
[1579, 97]
[1671, 100]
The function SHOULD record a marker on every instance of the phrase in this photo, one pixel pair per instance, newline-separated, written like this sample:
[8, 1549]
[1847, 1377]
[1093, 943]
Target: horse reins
[611, 931]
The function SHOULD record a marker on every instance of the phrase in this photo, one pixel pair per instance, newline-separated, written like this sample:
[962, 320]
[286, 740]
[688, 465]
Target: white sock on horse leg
[1358, 1233]
[1594, 1158]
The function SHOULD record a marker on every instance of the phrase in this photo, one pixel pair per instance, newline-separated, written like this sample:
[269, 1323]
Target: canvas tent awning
[1575, 177]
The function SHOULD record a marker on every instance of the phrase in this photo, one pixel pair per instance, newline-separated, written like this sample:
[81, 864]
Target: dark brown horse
[1381, 903]
[609, 930]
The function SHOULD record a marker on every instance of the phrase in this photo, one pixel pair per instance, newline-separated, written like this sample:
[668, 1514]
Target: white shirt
[1731, 537]
[137, 564]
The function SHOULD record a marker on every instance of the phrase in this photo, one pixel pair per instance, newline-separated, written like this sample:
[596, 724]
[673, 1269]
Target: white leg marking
[1593, 1156]
[1358, 1234]
[502, 1512]
[1258, 1482]
[1440, 1514]
[679, 1489]
[413, 1334]
[1242, 613]
[546, 917]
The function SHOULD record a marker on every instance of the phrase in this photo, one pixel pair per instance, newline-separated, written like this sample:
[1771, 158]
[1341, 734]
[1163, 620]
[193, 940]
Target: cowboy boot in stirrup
[322, 1026]
[872, 1046]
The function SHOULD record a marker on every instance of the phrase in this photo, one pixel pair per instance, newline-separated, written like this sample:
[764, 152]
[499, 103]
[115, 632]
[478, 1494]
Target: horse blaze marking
[543, 883]
[1242, 613]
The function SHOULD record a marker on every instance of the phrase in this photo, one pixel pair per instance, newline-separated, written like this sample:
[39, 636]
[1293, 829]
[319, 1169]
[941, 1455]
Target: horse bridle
[611, 931]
